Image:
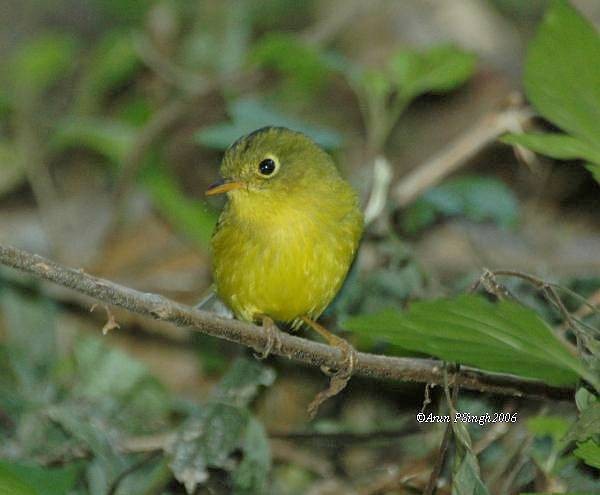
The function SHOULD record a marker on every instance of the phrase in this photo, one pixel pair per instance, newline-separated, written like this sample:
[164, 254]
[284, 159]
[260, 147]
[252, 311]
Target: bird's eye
[267, 167]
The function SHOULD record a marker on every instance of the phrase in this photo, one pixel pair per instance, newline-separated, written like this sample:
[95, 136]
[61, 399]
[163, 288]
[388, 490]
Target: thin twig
[328, 27]
[550, 292]
[187, 81]
[457, 153]
[306, 351]
[290, 453]
[492, 434]
[441, 455]
[439, 461]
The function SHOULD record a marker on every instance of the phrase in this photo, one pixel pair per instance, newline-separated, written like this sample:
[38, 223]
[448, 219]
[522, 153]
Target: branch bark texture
[309, 352]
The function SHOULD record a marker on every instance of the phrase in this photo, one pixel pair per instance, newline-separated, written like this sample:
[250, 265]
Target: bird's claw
[339, 378]
[273, 337]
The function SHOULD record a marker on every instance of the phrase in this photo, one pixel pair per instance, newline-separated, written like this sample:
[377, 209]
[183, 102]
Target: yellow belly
[283, 269]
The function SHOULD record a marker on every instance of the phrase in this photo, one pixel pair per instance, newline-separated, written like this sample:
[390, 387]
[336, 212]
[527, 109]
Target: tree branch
[299, 349]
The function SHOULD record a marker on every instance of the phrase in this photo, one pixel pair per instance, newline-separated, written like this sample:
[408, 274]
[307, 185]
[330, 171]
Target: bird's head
[273, 160]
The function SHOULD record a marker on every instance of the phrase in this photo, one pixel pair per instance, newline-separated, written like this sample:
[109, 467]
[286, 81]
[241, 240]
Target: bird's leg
[340, 378]
[272, 332]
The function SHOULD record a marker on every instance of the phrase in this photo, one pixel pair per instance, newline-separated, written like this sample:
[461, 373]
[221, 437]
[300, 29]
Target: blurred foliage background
[113, 118]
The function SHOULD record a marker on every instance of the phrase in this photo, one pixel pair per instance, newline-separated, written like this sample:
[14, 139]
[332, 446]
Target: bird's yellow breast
[285, 257]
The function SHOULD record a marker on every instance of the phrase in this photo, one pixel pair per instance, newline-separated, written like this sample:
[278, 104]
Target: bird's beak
[223, 186]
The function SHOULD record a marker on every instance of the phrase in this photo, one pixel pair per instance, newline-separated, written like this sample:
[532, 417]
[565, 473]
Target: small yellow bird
[287, 235]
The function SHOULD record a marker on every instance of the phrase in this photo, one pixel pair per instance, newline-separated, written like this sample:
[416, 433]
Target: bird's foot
[340, 377]
[273, 337]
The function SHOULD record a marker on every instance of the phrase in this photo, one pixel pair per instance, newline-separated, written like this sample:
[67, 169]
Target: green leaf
[112, 139]
[476, 198]
[584, 398]
[594, 168]
[87, 428]
[503, 337]
[191, 217]
[112, 63]
[251, 475]
[22, 479]
[207, 441]
[11, 484]
[559, 146]
[588, 452]
[437, 70]
[41, 62]
[240, 384]
[562, 72]
[466, 477]
[113, 382]
[555, 427]
[588, 424]
[299, 62]
[250, 114]
[30, 325]
[224, 425]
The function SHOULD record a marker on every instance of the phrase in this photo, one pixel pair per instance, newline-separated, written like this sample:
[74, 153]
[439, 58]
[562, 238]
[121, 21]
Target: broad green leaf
[40, 62]
[207, 441]
[104, 372]
[588, 452]
[112, 63]
[11, 484]
[302, 63]
[551, 426]
[436, 70]
[224, 425]
[466, 478]
[476, 198]
[137, 111]
[562, 72]
[584, 398]
[503, 337]
[594, 168]
[559, 146]
[191, 217]
[22, 479]
[251, 475]
[588, 424]
[90, 430]
[249, 114]
[113, 382]
[110, 138]
[95, 434]
[30, 326]
[240, 384]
